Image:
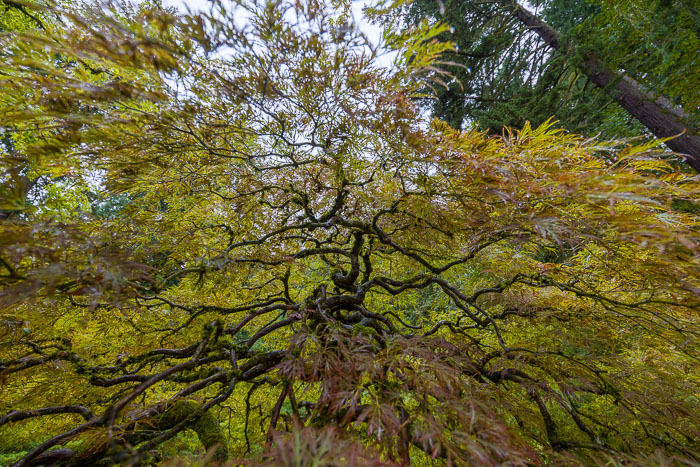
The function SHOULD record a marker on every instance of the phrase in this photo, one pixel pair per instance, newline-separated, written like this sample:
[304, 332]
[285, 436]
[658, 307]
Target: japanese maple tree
[246, 229]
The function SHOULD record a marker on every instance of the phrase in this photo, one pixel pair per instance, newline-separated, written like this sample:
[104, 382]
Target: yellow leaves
[419, 47]
[655, 165]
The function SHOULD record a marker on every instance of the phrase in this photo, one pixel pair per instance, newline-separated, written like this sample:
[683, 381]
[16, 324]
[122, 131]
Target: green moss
[207, 426]
[224, 343]
[366, 330]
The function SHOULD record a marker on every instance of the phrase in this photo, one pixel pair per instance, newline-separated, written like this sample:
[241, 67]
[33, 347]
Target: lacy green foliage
[685, 205]
[15, 16]
[286, 240]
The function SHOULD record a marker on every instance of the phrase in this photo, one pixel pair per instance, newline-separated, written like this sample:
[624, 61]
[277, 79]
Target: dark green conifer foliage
[506, 76]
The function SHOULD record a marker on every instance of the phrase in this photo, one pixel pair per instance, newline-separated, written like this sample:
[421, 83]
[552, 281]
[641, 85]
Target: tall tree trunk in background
[654, 113]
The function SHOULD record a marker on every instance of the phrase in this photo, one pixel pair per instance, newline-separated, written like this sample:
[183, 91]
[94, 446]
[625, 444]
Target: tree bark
[654, 113]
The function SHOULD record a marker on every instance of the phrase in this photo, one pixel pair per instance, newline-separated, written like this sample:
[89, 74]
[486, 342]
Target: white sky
[372, 31]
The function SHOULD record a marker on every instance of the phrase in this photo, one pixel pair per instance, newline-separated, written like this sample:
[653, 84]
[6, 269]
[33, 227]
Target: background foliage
[505, 75]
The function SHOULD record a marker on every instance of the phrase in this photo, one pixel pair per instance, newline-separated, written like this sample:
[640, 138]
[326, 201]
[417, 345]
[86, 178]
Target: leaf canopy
[252, 231]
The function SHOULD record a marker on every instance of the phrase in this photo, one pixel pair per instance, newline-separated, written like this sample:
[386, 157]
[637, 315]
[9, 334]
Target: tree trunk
[660, 118]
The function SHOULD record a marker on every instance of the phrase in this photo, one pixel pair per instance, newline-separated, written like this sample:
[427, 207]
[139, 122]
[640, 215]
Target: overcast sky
[373, 32]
